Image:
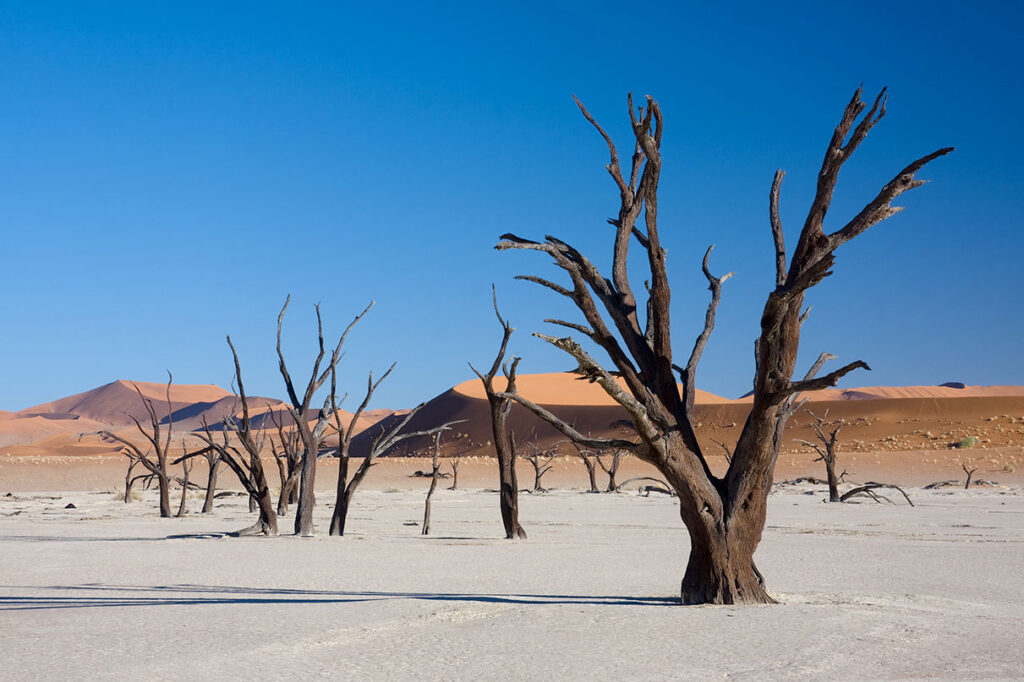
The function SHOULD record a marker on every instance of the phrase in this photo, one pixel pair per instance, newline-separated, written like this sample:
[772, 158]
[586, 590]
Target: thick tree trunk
[165, 496]
[720, 568]
[307, 498]
[211, 486]
[833, 481]
[341, 499]
[340, 514]
[504, 446]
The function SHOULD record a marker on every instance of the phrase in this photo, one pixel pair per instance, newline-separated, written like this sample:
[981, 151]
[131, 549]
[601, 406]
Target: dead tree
[455, 474]
[186, 469]
[724, 516]
[970, 473]
[154, 459]
[287, 454]
[129, 480]
[300, 410]
[870, 489]
[212, 456]
[612, 469]
[826, 451]
[589, 458]
[541, 461]
[435, 470]
[385, 439]
[504, 447]
[244, 458]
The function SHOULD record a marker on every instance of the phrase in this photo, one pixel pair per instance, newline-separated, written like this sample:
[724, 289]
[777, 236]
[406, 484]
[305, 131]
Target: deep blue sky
[171, 171]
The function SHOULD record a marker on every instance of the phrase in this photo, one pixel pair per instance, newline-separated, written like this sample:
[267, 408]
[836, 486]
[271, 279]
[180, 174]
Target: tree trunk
[128, 483]
[186, 468]
[211, 486]
[455, 475]
[426, 505]
[504, 446]
[165, 496]
[723, 537]
[591, 473]
[341, 498]
[307, 498]
[833, 481]
[340, 514]
[253, 505]
[268, 519]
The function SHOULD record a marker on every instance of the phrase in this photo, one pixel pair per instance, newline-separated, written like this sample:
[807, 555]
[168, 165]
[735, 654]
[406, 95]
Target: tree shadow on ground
[105, 596]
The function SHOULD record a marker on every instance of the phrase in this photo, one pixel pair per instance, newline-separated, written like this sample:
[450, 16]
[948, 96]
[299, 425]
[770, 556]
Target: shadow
[96, 596]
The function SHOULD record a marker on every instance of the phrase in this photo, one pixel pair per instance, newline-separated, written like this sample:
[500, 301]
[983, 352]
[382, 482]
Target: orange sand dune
[890, 392]
[21, 430]
[563, 388]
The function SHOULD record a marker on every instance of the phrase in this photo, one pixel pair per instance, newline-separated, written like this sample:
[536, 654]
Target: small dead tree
[504, 445]
[589, 458]
[434, 475]
[826, 451]
[244, 458]
[454, 463]
[154, 459]
[186, 469]
[301, 412]
[287, 454]
[212, 456]
[970, 474]
[611, 469]
[541, 461]
[725, 516]
[129, 480]
[870, 490]
[386, 439]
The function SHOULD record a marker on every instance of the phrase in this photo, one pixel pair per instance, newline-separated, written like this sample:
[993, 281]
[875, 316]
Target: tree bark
[211, 485]
[163, 483]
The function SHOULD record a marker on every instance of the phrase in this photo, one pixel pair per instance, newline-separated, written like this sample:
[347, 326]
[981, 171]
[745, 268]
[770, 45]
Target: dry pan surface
[110, 591]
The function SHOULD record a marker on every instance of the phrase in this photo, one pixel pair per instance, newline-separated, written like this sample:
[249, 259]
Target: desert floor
[107, 590]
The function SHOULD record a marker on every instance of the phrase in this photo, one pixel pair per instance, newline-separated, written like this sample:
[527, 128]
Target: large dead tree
[827, 451]
[154, 458]
[242, 455]
[724, 516]
[300, 410]
[504, 446]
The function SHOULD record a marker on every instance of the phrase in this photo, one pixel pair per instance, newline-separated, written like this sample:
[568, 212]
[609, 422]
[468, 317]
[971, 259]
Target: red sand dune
[113, 402]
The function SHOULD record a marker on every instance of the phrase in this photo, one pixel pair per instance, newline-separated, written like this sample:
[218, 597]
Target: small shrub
[966, 443]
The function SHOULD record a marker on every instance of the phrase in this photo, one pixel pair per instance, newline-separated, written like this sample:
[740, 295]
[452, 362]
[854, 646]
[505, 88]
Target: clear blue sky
[170, 171]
